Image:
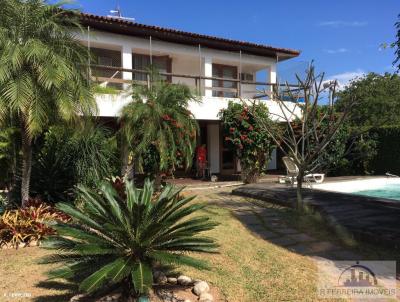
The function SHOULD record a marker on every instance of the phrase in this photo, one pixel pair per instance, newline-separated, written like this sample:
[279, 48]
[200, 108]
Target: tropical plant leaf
[97, 279]
[142, 277]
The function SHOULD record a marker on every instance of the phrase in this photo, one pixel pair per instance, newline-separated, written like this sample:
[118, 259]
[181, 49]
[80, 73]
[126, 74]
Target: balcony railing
[112, 76]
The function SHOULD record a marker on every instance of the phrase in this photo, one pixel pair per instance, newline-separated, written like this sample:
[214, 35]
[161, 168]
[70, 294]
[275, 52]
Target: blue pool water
[388, 191]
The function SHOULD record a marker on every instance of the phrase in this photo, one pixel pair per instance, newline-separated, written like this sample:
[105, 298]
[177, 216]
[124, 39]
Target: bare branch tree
[309, 126]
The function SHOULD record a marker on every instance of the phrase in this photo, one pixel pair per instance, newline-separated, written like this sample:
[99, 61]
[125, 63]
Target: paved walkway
[369, 219]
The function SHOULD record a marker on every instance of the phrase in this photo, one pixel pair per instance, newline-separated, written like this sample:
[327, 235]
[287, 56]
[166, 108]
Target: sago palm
[158, 119]
[41, 75]
[116, 240]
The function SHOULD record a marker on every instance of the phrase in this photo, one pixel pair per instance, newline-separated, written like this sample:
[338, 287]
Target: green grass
[20, 273]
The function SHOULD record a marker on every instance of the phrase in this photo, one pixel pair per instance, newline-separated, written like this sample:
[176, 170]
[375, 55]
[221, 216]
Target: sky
[343, 37]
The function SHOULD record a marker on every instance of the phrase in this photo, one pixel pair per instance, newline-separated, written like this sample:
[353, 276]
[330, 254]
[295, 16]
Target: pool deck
[374, 220]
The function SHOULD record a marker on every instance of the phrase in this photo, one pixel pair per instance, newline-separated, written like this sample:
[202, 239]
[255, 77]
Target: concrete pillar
[213, 147]
[208, 73]
[126, 58]
[271, 76]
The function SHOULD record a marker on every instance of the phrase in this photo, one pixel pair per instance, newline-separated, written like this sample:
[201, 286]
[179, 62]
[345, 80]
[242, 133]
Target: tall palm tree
[158, 120]
[41, 74]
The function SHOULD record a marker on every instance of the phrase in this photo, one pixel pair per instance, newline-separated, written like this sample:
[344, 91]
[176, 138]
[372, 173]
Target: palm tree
[41, 74]
[157, 120]
[115, 239]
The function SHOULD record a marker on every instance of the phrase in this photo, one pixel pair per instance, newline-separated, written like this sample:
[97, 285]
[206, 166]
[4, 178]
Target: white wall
[207, 109]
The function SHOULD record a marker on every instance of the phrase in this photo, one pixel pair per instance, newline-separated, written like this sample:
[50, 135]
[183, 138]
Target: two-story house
[218, 69]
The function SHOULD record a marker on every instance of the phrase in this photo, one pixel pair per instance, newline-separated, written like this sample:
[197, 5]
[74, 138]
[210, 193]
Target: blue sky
[341, 36]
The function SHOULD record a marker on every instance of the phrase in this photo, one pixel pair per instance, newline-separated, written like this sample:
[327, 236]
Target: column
[271, 76]
[126, 55]
[208, 73]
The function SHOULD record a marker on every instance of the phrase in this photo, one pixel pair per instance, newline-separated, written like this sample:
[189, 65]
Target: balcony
[222, 87]
[215, 80]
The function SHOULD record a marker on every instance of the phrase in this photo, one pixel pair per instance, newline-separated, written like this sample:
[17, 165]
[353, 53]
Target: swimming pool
[382, 187]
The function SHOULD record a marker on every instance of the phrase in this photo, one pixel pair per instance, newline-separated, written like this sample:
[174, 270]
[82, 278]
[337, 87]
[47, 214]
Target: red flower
[251, 128]
[166, 117]
[231, 129]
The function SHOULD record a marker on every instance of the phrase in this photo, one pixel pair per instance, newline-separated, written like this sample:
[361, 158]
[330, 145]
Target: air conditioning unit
[247, 77]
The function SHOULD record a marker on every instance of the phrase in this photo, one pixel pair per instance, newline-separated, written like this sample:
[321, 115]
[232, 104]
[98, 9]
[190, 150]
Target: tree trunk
[26, 166]
[299, 191]
[157, 181]
[124, 152]
[250, 175]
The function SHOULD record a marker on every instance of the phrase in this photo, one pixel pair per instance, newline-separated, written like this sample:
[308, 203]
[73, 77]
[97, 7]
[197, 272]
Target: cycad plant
[158, 120]
[115, 241]
[42, 78]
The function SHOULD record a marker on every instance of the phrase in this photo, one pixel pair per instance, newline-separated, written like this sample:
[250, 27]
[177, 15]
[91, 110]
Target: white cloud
[335, 51]
[341, 23]
[344, 78]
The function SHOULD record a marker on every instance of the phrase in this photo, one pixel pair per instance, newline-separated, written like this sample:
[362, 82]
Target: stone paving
[267, 224]
[365, 218]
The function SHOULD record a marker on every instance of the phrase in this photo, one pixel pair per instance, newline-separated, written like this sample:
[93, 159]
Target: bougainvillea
[243, 134]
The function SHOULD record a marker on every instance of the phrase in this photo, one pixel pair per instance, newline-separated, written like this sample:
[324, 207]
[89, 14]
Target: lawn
[21, 275]
[247, 267]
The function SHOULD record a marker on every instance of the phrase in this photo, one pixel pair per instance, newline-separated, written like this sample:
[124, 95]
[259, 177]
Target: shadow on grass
[68, 289]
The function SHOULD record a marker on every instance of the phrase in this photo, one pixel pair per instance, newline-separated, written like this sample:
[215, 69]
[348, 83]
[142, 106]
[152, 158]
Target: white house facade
[218, 70]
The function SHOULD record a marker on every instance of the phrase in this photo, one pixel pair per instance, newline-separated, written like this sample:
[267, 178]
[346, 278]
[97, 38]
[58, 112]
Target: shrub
[3, 204]
[243, 135]
[27, 224]
[70, 156]
[387, 157]
[117, 241]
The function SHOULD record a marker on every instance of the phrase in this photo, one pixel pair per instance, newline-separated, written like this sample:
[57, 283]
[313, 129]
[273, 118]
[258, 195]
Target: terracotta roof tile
[178, 36]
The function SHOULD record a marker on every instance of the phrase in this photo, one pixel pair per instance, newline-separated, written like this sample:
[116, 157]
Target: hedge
[388, 150]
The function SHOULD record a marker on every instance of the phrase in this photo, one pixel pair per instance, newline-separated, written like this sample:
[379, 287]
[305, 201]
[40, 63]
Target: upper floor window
[106, 57]
[142, 62]
[223, 88]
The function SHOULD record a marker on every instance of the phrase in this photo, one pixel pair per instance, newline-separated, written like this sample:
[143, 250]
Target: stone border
[199, 288]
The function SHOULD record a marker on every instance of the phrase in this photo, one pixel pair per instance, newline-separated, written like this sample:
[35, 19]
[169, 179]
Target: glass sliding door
[227, 89]
[142, 62]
